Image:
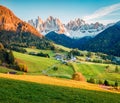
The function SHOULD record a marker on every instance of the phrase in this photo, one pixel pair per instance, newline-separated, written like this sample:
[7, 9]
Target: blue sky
[104, 11]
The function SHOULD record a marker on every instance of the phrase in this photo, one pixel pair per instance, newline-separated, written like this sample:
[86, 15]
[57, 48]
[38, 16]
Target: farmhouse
[59, 56]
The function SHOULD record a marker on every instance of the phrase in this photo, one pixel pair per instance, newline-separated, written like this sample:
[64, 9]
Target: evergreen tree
[106, 83]
[55, 68]
[100, 82]
[3, 56]
[116, 69]
[11, 59]
[116, 84]
[91, 80]
[89, 54]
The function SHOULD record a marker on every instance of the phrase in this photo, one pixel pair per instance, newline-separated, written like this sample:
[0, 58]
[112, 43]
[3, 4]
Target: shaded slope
[64, 40]
[60, 39]
[107, 41]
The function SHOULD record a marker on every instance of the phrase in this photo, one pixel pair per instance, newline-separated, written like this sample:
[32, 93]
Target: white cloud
[103, 12]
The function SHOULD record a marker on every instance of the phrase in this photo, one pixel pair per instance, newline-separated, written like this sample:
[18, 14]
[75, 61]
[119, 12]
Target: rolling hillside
[40, 65]
[57, 81]
[37, 68]
[13, 91]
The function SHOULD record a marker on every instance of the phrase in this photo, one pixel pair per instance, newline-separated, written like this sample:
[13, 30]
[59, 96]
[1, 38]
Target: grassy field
[50, 52]
[36, 65]
[62, 47]
[6, 70]
[57, 81]
[14, 91]
[98, 71]
[63, 71]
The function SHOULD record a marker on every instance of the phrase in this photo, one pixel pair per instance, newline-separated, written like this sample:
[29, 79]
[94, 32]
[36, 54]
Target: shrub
[106, 83]
[107, 66]
[78, 76]
[116, 69]
[89, 54]
[18, 49]
[73, 52]
[55, 68]
[42, 55]
[97, 61]
[116, 84]
[23, 67]
[100, 82]
[61, 50]
[6, 57]
[91, 80]
[11, 59]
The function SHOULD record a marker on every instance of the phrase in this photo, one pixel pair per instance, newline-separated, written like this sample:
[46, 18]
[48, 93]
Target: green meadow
[40, 65]
[98, 71]
[15, 91]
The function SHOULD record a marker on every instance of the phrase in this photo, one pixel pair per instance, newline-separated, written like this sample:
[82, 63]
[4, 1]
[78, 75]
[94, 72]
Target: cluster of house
[64, 58]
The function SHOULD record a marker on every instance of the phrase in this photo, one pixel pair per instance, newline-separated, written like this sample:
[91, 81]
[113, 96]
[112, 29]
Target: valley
[45, 66]
[89, 69]
[48, 61]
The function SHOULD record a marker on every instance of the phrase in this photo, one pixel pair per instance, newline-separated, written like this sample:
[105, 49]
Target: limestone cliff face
[49, 25]
[9, 22]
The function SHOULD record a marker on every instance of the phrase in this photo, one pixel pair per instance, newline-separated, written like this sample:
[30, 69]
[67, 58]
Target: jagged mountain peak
[50, 18]
[50, 24]
[40, 20]
[76, 28]
[76, 22]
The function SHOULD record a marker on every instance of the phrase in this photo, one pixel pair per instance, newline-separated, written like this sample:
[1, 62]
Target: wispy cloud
[103, 12]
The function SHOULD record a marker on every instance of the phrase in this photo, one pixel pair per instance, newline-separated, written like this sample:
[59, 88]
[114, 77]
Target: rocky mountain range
[16, 33]
[108, 41]
[74, 29]
[51, 24]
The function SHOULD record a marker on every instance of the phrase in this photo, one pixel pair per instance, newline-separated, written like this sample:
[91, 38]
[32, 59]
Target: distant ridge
[107, 41]
[77, 28]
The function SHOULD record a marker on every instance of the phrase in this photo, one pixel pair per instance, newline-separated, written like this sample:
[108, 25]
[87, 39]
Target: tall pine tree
[11, 59]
